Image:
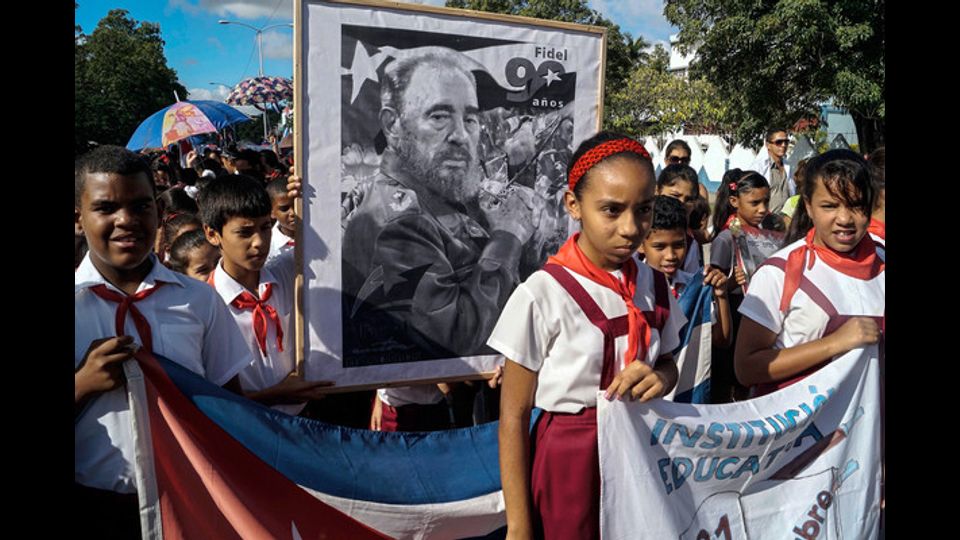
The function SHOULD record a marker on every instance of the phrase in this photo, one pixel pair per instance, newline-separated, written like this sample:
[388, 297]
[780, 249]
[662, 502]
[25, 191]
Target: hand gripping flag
[211, 464]
[696, 338]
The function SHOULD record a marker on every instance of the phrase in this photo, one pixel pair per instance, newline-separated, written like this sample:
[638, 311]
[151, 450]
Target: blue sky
[202, 51]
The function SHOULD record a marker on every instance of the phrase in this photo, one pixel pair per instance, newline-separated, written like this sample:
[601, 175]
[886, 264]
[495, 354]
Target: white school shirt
[421, 394]
[692, 261]
[189, 325]
[279, 243]
[543, 329]
[804, 321]
[265, 370]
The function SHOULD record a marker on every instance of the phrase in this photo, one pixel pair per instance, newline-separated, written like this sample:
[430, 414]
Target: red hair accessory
[603, 151]
[732, 186]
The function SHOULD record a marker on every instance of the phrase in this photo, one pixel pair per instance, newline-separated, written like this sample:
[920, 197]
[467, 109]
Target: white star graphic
[551, 76]
[363, 67]
[295, 532]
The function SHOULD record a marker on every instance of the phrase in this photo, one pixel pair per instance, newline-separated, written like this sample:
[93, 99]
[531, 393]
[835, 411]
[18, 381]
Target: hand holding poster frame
[752, 246]
[452, 131]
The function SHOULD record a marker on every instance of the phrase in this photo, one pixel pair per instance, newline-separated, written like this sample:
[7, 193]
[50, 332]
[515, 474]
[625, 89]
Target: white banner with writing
[803, 462]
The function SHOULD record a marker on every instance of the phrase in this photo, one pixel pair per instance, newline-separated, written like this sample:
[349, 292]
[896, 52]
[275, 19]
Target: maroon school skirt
[414, 417]
[565, 476]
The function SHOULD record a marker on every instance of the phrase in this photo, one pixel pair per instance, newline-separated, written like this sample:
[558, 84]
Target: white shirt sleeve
[522, 334]
[284, 269]
[761, 304]
[225, 352]
[670, 335]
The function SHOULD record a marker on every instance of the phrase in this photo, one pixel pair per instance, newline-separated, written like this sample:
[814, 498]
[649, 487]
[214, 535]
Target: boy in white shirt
[235, 211]
[281, 241]
[124, 299]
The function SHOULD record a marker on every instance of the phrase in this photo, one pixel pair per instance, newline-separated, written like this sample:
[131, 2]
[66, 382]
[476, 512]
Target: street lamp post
[259, 32]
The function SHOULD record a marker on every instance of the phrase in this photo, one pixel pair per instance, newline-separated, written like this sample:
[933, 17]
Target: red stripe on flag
[211, 486]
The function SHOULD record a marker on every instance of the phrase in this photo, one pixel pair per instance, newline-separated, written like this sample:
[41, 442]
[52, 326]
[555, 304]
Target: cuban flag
[693, 354]
[211, 464]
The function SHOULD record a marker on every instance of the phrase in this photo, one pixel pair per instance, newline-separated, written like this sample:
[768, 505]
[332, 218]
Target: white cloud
[243, 9]
[215, 42]
[278, 44]
[214, 93]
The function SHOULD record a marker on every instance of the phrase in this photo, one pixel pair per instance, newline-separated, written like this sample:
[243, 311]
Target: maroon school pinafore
[565, 467]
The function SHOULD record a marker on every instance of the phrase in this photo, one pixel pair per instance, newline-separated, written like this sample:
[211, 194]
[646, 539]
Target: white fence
[711, 157]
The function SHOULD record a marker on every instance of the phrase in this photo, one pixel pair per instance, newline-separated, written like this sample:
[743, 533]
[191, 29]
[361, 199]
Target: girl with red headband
[824, 293]
[594, 317]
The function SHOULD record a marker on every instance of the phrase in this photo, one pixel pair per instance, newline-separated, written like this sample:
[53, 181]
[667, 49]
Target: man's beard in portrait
[454, 185]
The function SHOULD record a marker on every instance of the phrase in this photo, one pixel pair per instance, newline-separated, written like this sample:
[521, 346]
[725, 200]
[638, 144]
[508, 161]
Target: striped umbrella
[259, 90]
[181, 120]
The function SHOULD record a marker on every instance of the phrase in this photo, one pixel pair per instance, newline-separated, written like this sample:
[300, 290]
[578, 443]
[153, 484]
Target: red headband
[603, 151]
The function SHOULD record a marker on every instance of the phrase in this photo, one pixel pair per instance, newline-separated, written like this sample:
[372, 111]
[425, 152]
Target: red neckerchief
[125, 304]
[878, 228]
[676, 289]
[261, 312]
[861, 263]
[638, 335]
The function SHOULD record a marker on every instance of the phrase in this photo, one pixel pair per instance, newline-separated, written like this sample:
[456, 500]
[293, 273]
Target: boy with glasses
[771, 165]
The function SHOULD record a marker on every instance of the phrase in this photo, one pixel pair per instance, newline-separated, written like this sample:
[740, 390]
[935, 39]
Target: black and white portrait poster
[434, 146]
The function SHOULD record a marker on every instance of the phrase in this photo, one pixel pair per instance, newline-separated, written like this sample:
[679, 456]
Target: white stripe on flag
[478, 516]
[150, 524]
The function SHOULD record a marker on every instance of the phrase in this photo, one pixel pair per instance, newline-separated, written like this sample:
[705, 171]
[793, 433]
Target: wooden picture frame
[397, 213]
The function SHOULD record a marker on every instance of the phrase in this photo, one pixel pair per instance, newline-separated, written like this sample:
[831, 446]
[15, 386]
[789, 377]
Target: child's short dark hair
[700, 210]
[277, 188]
[671, 174]
[181, 248]
[211, 164]
[270, 158]
[108, 159]
[668, 214]
[177, 201]
[250, 156]
[173, 223]
[234, 195]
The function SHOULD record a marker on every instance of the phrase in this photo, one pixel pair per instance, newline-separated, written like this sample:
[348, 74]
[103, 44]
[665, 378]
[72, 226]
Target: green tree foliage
[120, 78]
[623, 52]
[654, 102]
[775, 62]
[253, 130]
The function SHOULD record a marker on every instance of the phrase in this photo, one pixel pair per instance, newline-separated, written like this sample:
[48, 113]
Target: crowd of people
[196, 264]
